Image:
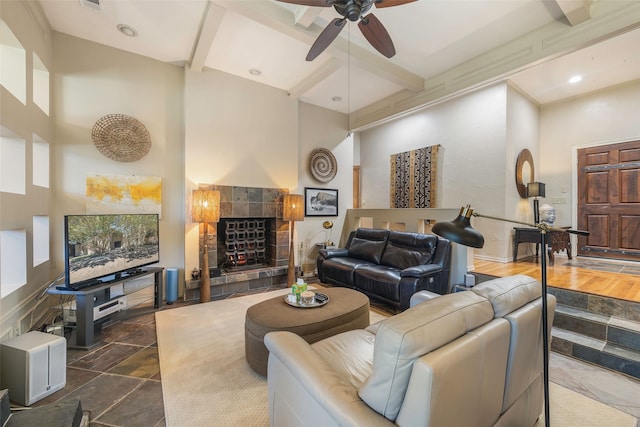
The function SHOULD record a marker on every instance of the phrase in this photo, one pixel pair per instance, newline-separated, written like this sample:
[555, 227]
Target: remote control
[321, 297]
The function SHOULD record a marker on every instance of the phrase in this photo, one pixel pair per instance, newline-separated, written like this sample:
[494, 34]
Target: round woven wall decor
[121, 138]
[323, 165]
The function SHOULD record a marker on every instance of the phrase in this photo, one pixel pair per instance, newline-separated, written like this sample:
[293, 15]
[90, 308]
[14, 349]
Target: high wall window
[25, 169]
[13, 263]
[40, 162]
[40, 84]
[40, 239]
[13, 67]
[12, 165]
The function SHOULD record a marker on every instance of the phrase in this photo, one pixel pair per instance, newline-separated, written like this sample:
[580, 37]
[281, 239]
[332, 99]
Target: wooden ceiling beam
[280, 19]
[576, 11]
[212, 18]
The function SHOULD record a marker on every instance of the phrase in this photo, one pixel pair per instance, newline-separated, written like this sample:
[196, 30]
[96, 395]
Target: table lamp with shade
[328, 225]
[205, 209]
[460, 231]
[292, 211]
[535, 190]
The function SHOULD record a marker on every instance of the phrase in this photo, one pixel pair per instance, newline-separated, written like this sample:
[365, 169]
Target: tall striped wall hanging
[413, 178]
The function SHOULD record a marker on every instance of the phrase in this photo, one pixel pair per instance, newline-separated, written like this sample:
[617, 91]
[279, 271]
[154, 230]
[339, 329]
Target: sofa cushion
[350, 354]
[379, 280]
[507, 294]
[368, 244]
[403, 338]
[408, 249]
[341, 270]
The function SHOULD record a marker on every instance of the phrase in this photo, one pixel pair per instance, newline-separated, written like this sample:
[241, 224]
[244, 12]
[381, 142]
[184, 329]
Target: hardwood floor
[604, 283]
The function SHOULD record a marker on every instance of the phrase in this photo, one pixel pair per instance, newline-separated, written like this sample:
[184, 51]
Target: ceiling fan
[353, 10]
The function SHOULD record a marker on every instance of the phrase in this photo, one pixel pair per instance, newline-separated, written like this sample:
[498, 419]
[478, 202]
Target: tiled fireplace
[249, 246]
[245, 244]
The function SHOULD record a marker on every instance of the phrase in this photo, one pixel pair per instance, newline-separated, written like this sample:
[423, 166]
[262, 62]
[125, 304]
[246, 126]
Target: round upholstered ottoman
[346, 310]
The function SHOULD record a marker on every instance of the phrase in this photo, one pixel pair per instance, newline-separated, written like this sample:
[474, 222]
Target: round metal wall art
[121, 138]
[323, 165]
[524, 158]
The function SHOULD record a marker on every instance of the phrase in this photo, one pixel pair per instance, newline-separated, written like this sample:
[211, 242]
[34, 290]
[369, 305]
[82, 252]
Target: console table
[87, 298]
[556, 241]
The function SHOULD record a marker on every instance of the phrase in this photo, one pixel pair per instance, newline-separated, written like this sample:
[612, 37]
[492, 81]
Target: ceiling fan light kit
[353, 10]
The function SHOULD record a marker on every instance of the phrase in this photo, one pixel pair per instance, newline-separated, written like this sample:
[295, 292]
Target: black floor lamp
[460, 231]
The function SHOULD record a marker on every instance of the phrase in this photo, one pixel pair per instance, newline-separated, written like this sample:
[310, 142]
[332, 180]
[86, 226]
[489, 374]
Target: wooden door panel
[629, 231]
[597, 159]
[598, 226]
[597, 187]
[609, 200]
[630, 155]
[629, 186]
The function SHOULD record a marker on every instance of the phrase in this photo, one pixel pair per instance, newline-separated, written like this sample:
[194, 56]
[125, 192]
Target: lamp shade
[535, 189]
[293, 207]
[459, 230]
[205, 206]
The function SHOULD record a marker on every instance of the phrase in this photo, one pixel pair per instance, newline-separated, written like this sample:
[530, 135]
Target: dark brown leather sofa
[388, 265]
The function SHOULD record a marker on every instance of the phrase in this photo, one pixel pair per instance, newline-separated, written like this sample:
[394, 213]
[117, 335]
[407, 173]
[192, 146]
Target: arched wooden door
[609, 201]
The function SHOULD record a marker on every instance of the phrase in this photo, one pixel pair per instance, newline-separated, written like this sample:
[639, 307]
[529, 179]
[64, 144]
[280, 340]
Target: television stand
[81, 285]
[128, 274]
[87, 333]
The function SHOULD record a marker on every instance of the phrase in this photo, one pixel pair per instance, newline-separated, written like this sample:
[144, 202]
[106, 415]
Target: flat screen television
[100, 246]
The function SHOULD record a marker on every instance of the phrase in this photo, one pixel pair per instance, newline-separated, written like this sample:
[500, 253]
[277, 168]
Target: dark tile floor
[119, 382]
[605, 265]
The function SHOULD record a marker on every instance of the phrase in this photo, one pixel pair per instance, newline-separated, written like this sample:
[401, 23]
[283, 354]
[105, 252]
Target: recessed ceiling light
[336, 99]
[255, 72]
[127, 30]
[575, 79]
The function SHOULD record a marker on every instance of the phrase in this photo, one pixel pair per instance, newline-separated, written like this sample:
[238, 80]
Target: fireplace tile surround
[246, 202]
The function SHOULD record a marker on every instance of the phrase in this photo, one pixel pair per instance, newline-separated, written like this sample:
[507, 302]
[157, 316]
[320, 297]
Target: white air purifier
[33, 366]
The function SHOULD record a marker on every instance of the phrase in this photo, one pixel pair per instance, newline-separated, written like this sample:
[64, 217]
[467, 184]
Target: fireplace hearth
[250, 244]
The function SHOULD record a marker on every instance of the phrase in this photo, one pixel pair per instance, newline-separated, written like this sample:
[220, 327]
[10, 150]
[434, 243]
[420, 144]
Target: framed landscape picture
[320, 202]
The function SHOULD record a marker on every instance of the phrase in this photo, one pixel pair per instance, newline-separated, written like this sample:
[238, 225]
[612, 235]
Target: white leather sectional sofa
[471, 358]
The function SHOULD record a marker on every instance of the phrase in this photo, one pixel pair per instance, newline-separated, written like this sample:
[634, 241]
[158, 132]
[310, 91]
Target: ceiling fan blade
[318, 3]
[389, 3]
[325, 38]
[377, 35]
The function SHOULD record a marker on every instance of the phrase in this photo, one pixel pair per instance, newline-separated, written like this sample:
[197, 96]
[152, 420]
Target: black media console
[98, 297]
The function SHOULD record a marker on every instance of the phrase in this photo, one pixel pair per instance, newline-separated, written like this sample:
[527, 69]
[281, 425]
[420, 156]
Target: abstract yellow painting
[121, 194]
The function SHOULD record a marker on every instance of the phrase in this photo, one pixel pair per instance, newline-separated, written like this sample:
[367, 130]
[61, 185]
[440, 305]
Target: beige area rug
[205, 377]
[207, 381]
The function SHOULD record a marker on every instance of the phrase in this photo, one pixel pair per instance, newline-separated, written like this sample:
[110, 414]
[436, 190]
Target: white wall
[22, 120]
[523, 119]
[237, 132]
[481, 135]
[322, 128]
[472, 132]
[91, 80]
[206, 127]
[603, 117]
